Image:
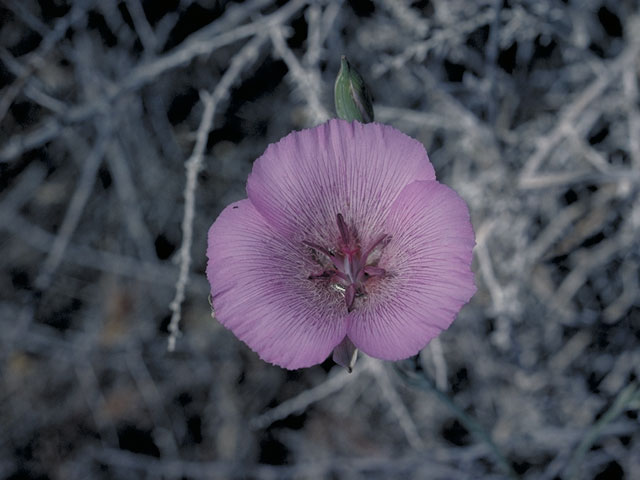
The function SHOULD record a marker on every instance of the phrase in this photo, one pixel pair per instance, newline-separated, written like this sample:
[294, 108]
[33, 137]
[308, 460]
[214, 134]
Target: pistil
[347, 268]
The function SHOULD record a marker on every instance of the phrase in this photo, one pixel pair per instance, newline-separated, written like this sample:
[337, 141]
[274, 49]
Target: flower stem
[423, 382]
[626, 397]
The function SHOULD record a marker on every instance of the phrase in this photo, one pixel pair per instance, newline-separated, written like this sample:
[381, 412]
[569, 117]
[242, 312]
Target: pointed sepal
[346, 354]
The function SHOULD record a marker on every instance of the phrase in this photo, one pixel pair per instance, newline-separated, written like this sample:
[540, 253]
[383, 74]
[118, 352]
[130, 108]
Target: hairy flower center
[348, 268]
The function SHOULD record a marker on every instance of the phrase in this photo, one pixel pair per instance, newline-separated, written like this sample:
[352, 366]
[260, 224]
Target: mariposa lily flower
[346, 240]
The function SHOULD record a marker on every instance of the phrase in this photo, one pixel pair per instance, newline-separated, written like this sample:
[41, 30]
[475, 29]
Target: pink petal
[429, 277]
[261, 291]
[303, 181]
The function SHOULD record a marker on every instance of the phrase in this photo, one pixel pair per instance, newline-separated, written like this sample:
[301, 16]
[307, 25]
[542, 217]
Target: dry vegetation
[529, 108]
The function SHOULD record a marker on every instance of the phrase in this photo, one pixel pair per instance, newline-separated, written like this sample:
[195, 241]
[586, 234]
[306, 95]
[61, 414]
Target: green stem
[470, 423]
[628, 395]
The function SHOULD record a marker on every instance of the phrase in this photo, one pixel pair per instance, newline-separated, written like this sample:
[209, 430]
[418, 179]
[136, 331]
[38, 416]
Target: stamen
[344, 230]
[316, 276]
[381, 239]
[349, 273]
[340, 275]
[329, 274]
[374, 271]
[318, 248]
[349, 296]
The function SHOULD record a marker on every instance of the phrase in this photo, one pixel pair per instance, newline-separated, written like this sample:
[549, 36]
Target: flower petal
[261, 291]
[429, 277]
[303, 181]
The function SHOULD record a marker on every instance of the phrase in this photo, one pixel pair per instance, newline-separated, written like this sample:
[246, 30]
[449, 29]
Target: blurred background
[528, 108]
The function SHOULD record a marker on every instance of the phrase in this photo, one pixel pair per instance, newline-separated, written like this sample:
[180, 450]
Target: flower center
[348, 268]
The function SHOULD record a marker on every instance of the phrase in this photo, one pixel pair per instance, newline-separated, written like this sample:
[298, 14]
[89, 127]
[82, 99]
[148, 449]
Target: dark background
[529, 109]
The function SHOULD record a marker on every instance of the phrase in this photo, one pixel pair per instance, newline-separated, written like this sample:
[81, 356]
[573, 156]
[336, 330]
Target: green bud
[353, 101]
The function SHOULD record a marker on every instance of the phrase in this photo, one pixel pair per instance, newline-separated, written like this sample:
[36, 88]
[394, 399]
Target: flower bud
[353, 101]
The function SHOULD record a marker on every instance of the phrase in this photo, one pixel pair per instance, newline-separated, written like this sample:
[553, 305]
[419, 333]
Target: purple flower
[346, 237]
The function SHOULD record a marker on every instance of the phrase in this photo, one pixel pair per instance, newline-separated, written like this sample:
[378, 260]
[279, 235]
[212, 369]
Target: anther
[374, 271]
[318, 248]
[350, 296]
[349, 271]
[381, 240]
[344, 229]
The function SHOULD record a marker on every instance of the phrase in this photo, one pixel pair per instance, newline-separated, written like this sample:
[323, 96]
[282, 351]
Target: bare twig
[307, 81]
[75, 208]
[335, 382]
[587, 262]
[435, 348]
[193, 165]
[391, 467]
[570, 113]
[36, 59]
[535, 355]
[13, 200]
[398, 408]
[628, 395]
[408, 17]
[141, 24]
[486, 267]
[125, 187]
[469, 422]
[108, 262]
[630, 85]
[630, 294]
[153, 400]
[419, 50]
[144, 74]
